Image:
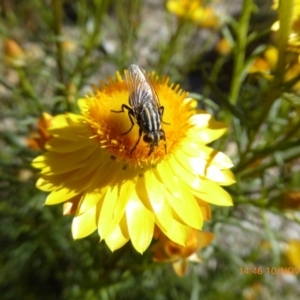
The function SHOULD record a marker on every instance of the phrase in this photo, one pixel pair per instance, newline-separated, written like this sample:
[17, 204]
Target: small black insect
[144, 109]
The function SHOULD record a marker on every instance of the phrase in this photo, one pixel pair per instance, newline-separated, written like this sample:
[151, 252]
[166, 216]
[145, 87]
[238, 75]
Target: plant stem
[57, 28]
[240, 51]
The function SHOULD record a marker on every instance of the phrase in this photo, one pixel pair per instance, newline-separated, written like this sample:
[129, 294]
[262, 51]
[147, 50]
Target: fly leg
[140, 135]
[151, 149]
[163, 136]
[161, 112]
[130, 115]
[122, 110]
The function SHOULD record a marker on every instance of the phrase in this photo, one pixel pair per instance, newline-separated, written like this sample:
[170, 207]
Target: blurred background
[235, 61]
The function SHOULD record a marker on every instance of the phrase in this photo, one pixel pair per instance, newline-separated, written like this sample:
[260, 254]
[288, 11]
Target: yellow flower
[223, 47]
[166, 250]
[194, 10]
[267, 62]
[14, 54]
[290, 200]
[292, 253]
[294, 37]
[89, 166]
[38, 139]
[255, 291]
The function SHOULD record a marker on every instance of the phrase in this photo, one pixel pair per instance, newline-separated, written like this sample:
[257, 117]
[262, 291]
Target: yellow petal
[61, 121]
[178, 233]
[44, 185]
[180, 198]
[108, 206]
[157, 196]
[218, 159]
[56, 180]
[192, 149]
[94, 179]
[192, 216]
[140, 223]
[60, 195]
[65, 146]
[82, 105]
[226, 178]
[211, 156]
[201, 120]
[82, 169]
[107, 173]
[205, 169]
[124, 194]
[87, 201]
[204, 238]
[205, 209]
[71, 135]
[210, 171]
[58, 164]
[188, 176]
[206, 129]
[180, 266]
[39, 162]
[207, 135]
[85, 224]
[212, 193]
[187, 209]
[204, 120]
[117, 238]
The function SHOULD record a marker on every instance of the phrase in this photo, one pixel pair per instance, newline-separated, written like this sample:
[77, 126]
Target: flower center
[141, 139]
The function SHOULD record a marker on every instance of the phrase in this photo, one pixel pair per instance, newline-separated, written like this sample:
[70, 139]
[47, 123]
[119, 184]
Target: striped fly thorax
[145, 108]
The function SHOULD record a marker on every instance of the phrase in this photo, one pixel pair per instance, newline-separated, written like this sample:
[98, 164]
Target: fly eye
[148, 138]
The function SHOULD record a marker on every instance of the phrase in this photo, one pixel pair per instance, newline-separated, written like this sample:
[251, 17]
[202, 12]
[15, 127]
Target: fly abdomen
[149, 118]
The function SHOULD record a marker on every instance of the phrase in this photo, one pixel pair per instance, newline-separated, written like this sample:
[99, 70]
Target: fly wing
[153, 92]
[140, 87]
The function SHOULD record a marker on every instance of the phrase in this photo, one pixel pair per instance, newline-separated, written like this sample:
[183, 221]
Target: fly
[144, 109]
